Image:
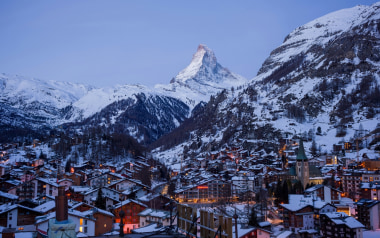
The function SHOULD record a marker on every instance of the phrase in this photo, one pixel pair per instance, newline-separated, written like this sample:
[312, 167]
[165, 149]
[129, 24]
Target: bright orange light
[202, 187]
[72, 170]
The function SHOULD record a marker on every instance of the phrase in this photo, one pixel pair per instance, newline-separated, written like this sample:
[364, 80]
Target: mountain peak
[203, 57]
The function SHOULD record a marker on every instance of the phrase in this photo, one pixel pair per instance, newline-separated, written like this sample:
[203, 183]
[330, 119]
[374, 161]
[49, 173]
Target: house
[327, 194]
[91, 195]
[370, 190]
[18, 216]
[92, 222]
[156, 201]
[131, 209]
[48, 186]
[7, 198]
[302, 213]
[368, 213]
[339, 224]
[149, 216]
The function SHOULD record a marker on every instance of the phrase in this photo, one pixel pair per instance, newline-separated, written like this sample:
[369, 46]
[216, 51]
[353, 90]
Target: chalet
[66, 182]
[91, 195]
[370, 190]
[338, 224]
[156, 201]
[368, 213]
[131, 209]
[92, 222]
[45, 186]
[149, 216]
[76, 178]
[7, 198]
[77, 193]
[18, 216]
[302, 213]
[327, 194]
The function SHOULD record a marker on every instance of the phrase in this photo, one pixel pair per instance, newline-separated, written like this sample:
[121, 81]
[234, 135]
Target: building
[327, 194]
[302, 166]
[211, 190]
[131, 210]
[149, 216]
[368, 213]
[302, 213]
[370, 190]
[339, 224]
[18, 216]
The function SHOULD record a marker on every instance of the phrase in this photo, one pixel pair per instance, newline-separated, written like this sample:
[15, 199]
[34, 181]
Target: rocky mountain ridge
[146, 113]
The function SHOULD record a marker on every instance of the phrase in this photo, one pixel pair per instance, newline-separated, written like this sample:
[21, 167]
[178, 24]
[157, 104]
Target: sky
[114, 42]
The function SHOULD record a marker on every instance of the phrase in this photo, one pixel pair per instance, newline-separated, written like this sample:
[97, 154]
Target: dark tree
[68, 166]
[253, 218]
[100, 200]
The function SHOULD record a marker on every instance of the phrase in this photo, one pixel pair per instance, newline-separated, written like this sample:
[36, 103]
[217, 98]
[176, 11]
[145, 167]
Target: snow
[24, 235]
[371, 234]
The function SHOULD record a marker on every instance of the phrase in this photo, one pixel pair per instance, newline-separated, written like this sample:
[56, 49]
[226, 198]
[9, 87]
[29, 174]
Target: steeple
[302, 165]
[301, 156]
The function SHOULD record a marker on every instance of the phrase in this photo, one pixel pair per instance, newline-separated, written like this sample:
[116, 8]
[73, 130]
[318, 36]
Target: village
[285, 194]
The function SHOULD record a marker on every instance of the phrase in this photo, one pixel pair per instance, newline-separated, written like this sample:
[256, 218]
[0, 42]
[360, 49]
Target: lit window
[105, 225]
[81, 228]
[81, 221]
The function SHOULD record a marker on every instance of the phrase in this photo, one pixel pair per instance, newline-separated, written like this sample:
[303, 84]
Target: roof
[8, 195]
[129, 201]
[299, 201]
[301, 152]
[155, 213]
[340, 218]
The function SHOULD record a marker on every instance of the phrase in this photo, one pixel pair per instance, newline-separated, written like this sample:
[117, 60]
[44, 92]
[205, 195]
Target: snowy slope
[19, 91]
[325, 75]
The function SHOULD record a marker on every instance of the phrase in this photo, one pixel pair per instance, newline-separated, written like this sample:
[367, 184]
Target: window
[85, 229]
[81, 222]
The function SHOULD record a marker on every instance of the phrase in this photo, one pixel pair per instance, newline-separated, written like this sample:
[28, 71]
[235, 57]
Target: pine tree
[100, 201]
[253, 218]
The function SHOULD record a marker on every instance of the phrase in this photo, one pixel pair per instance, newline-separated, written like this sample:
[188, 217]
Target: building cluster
[338, 196]
[29, 186]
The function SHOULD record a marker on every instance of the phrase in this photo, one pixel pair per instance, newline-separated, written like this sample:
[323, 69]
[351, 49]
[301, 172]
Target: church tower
[302, 165]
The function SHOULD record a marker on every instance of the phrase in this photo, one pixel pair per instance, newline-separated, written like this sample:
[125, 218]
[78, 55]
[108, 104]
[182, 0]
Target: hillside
[322, 84]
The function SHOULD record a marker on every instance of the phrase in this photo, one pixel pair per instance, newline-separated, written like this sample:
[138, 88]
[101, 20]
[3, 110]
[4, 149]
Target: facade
[18, 216]
[149, 216]
[213, 190]
[368, 213]
[326, 193]
[131, 209]
[339, 224]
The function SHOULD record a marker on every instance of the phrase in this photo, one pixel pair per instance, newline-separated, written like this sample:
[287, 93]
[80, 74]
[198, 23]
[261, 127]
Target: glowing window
[81, 221]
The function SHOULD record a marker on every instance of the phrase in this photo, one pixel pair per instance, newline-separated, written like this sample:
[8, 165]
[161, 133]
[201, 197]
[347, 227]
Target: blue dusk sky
[110, 42]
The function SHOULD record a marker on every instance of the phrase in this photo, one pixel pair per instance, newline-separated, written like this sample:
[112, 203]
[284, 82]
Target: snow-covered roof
[155, 213]
[8, 195]
[340, 218]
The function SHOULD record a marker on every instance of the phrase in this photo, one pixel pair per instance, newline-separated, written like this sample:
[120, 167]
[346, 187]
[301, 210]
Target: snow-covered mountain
[146, 113]
[203, 77]
[322, 82]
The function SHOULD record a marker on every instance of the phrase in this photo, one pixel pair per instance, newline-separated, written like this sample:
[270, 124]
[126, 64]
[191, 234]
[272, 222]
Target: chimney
[61, 205]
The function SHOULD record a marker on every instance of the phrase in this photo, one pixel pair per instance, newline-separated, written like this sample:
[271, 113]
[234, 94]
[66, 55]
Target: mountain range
[321, 83]
[31, 106]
